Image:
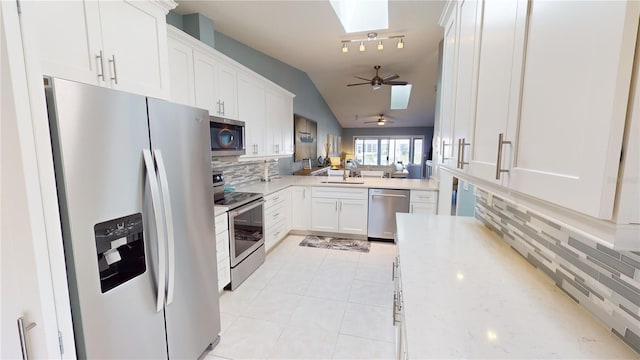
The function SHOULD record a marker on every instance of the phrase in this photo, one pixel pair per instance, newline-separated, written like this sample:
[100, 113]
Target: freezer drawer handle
[22, 331]
[166, 202]
[155, 201]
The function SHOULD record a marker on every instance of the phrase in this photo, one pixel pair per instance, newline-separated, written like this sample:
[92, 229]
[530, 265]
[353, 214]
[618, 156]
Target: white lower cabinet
[398, 313]
[423, 202]
[222, 250]
[300, 208]
[277, 219]
[340, 210]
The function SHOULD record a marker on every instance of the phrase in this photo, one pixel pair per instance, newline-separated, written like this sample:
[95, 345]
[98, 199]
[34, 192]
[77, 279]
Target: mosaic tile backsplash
[238, 173]
[604, 281]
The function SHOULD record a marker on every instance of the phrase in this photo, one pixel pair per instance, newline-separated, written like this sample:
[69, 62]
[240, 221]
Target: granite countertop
[467, 294]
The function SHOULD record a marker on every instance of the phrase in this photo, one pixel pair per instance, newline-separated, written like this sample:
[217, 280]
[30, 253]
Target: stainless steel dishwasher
[383, 206]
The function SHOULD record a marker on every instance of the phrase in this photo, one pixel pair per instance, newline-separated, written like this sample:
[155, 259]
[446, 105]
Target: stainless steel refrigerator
[136, 202]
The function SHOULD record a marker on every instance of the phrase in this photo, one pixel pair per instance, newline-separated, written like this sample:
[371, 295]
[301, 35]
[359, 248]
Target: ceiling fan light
[401, 43]
[377, 86]
[380, 123]
[361, 48]
[345, 49]
[380, 45]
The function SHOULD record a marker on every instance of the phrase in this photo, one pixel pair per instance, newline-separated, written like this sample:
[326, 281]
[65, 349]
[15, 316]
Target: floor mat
[327, 242]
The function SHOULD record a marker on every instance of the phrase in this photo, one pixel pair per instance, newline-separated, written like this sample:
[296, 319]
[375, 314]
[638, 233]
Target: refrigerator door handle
[155, 201]
[166, 202]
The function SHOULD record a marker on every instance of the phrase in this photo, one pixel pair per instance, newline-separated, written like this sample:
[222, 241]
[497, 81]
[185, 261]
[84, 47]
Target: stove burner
[235, 199]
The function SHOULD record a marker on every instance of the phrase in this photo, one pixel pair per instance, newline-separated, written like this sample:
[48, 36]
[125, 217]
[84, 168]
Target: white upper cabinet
[118, 44]
[447, 100]
[467, 54]
[550, 81]
[575, 90]
[180, 69]
[64, 37]
[251, 104]
[215, 85]
[279, 117]
[227, 90]
[205, 77]
[498, 75]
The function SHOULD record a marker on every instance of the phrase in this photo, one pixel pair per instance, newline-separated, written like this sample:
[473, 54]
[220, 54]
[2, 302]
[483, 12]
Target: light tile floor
[309, 303]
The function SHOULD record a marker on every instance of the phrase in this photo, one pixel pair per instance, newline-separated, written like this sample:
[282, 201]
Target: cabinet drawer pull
[499, 169]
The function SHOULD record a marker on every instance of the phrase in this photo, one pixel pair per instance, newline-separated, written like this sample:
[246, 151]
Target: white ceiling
[307, 35]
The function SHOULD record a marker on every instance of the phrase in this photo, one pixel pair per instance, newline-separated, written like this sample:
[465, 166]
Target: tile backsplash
[605, 282]
[238, 173]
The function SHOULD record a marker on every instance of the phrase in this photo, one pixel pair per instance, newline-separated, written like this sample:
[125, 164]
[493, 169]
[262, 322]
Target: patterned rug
[326, 242]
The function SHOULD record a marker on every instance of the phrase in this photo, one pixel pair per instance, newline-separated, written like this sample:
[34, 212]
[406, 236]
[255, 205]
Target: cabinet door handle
[115, 71]
[459, 146]
[393, 270]
[22, 332]
[499, 169]
[304, 193]
[443, 145]
[222, 103]
[395, 299]
[463, 143]
[411, 211]
[101, 73]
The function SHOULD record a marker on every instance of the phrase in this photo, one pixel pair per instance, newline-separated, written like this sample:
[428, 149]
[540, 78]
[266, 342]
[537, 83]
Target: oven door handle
[243, 209]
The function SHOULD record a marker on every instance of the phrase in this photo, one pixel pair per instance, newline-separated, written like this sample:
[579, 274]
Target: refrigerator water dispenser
[120, 248]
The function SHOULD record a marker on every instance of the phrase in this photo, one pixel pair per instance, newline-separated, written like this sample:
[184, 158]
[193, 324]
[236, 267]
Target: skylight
[400, 96]
[362, 15]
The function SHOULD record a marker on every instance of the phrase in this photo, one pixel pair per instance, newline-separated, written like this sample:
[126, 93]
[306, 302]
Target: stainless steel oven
[246, 234]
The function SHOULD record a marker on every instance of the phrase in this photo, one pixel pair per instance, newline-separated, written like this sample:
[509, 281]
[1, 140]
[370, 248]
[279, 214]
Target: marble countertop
[467, 294]
[272, 186]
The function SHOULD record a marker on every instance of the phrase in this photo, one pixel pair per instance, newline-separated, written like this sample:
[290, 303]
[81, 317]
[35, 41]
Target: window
[417, 151]
[388, 150]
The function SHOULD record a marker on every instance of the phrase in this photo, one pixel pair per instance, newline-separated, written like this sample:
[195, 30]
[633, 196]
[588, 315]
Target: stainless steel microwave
[227, 136]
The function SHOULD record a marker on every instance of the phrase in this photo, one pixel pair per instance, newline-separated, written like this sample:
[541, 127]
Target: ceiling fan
[381, 121]
[377, 81]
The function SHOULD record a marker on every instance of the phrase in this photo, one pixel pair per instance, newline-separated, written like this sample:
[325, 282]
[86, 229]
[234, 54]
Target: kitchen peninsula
[476, 297]
[335, 181]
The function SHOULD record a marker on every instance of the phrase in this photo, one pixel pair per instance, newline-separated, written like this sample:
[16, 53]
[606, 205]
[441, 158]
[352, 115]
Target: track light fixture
[372, 37]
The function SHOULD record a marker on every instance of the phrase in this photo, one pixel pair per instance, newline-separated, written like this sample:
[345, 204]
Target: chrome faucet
[344, 174]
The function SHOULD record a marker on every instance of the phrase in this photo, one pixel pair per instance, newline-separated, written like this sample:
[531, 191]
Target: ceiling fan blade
[361, 78]
[395, 83]
[359, 84]
[371, 122]
[390, 77]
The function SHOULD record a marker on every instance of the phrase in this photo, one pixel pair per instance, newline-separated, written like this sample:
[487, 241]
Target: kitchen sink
[343, 182]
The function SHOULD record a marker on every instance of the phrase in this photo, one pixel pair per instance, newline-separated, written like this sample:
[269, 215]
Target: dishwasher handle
[390, 195]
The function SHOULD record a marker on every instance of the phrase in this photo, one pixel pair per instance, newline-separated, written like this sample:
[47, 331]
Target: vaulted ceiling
[307, 35]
